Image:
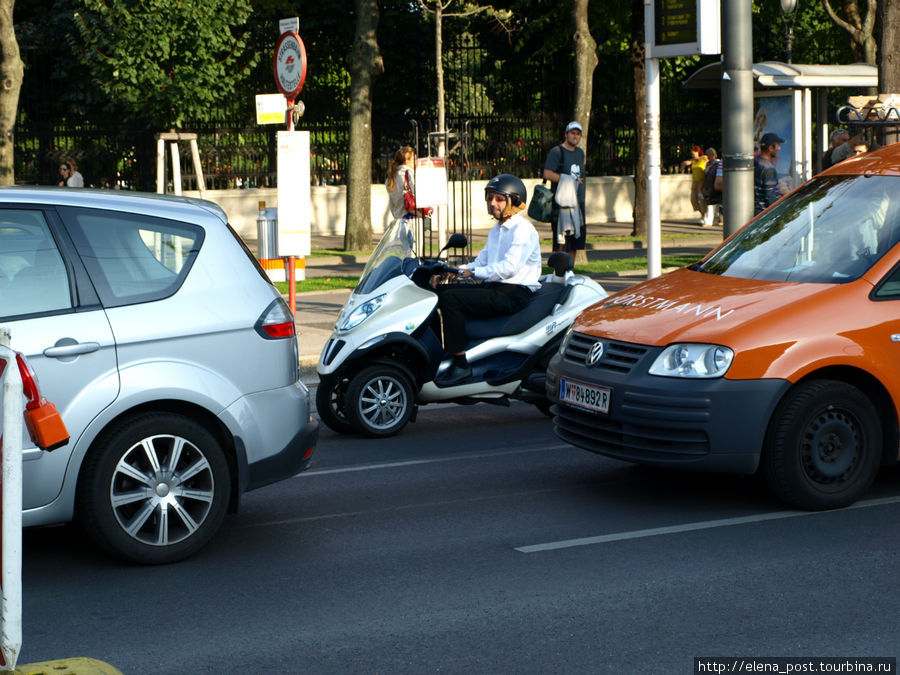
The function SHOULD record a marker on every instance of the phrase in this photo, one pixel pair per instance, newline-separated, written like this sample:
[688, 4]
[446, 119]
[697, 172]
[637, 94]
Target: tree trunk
[889, 59]
[859, 26]
[365, 65]
[11, 73]
[439, 66]
[639, 228]
[585, 62]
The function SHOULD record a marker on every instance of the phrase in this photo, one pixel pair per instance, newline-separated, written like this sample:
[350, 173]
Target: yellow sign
[270, 109]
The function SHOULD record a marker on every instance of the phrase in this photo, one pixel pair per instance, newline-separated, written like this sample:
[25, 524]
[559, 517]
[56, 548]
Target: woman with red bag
[401, 184]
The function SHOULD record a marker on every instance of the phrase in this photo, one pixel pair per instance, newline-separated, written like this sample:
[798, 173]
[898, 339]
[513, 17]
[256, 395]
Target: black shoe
[453, 376]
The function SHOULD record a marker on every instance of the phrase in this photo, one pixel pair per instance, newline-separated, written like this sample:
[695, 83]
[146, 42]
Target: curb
[79, 665]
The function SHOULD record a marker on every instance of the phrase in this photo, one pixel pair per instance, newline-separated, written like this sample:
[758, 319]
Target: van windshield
[832, 230]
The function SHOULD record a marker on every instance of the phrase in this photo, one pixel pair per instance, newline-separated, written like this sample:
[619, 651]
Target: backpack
[708, 191]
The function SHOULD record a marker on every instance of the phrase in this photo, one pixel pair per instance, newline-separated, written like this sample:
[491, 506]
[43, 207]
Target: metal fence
[508, 128]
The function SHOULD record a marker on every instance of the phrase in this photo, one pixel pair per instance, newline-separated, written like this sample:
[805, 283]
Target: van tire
[379, 401]
[823, 445]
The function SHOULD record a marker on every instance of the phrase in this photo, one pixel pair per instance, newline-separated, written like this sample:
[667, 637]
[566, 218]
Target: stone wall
[608, 199]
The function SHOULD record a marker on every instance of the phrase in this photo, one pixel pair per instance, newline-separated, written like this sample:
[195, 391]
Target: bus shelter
[788, 99]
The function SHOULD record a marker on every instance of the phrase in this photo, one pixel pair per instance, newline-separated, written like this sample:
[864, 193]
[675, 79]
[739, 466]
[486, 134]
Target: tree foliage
[163, 61]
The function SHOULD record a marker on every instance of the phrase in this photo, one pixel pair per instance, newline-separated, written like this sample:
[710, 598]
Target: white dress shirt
[512, 254]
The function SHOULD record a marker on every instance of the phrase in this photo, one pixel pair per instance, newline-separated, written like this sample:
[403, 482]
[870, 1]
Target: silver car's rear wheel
[154, 489]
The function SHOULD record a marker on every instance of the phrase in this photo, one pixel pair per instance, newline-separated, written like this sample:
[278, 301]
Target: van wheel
[330, 404]
[379, 401]
[823, 445]
[154, 488]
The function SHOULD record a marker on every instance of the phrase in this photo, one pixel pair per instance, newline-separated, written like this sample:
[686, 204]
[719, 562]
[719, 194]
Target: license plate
[585, 395]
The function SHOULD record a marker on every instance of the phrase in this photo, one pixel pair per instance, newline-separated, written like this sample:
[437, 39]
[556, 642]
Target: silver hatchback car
[169, 354]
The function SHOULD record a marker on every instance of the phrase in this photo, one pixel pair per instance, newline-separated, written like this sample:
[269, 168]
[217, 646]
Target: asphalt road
[476, 542]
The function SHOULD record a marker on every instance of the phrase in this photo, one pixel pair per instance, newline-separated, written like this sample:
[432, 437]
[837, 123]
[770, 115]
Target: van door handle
[69, 350]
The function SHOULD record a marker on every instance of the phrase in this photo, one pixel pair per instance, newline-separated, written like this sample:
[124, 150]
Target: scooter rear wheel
[379, 401]
[330, 404]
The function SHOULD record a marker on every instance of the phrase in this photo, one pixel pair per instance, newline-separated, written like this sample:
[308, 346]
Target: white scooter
[382, 358]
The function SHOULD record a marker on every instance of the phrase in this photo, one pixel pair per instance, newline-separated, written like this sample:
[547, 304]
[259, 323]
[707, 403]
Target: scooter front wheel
[379, 401]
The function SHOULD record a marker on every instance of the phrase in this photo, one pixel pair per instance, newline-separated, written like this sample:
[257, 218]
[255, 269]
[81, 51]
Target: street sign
[270, 109]
[289, 25]
[682, 27]
[290, 64]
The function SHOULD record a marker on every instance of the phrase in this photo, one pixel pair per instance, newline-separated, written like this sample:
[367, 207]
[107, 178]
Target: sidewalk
[317, 312]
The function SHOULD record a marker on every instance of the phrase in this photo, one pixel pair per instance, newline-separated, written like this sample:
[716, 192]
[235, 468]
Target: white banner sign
[293, 194]
[431, 181]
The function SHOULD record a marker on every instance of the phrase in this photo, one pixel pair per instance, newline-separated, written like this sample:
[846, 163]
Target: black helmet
[509, 186]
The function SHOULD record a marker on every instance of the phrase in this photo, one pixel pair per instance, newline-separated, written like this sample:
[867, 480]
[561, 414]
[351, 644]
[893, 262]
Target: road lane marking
[690, 527]
[432, 460]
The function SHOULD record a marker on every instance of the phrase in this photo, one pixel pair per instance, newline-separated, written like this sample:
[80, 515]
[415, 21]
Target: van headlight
[361, 313]
[693, 360]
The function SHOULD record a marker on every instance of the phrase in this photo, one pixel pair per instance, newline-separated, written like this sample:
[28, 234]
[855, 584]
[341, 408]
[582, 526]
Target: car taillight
[276, 322]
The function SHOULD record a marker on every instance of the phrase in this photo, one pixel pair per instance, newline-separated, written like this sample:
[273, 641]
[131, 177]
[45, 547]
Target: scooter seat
[542, 301]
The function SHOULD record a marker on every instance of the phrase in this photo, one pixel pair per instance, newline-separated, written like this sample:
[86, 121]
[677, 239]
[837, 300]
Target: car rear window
[133, 258]
[33, 277]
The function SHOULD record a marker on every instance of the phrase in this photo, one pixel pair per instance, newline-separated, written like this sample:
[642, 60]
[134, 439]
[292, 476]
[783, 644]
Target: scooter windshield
[386, 262]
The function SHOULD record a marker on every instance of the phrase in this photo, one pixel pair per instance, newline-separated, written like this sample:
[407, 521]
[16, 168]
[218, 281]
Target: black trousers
[457, 301]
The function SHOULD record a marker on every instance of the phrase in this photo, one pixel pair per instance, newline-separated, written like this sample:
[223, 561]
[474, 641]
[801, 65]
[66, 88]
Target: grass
[315, 284]
[319, 284]
[478, 245]
[635, 263]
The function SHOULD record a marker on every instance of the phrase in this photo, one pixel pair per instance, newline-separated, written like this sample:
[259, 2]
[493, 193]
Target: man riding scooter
[508, 267]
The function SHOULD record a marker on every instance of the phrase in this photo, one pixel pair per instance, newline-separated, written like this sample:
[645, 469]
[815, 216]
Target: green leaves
[164, 61]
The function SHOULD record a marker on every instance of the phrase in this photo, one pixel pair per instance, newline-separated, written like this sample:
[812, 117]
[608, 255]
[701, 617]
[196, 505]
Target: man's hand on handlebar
[449, 275]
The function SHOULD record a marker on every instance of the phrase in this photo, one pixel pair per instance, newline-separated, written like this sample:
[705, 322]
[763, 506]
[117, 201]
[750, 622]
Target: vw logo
[595, 354]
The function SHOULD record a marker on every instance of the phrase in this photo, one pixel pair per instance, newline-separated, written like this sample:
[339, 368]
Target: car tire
[823, 447]
[330, 396]
[379, 401]
[154, 488]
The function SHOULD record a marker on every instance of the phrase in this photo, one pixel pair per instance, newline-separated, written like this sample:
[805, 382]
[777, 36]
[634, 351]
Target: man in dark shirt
[765, 178]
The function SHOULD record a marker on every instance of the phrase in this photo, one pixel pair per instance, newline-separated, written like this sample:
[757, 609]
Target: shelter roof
[771, 74]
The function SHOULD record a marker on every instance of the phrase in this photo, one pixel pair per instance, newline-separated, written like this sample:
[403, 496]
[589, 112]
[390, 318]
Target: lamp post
[788, 17]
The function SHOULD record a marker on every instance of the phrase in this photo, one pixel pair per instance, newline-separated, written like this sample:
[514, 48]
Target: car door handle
[71, 350]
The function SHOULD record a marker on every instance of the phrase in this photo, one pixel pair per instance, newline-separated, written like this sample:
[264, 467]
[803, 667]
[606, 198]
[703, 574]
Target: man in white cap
[567, 159]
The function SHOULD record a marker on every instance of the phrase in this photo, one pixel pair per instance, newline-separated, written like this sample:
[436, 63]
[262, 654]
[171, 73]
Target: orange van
[779, 351]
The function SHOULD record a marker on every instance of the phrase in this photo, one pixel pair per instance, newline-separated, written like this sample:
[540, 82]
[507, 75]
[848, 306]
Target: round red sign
[290, 64]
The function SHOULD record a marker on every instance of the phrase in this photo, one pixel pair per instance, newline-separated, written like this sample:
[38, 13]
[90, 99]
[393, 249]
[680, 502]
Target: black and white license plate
[584, 395]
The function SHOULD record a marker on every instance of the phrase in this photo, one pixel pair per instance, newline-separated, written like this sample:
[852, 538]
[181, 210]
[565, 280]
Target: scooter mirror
[560, 262]
[456, 240]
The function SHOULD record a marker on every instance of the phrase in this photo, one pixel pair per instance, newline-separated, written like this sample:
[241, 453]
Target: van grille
[650, 432]
[619, 357]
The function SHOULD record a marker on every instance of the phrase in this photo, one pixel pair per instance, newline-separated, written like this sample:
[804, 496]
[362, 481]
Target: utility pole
[737, 114]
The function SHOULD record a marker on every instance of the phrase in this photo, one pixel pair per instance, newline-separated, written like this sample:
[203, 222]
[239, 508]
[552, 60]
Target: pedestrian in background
[697, 166]
[567, 159]
[765, 178]
[401, 180]
[711, 192]
[838, 137]
[75, 179]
